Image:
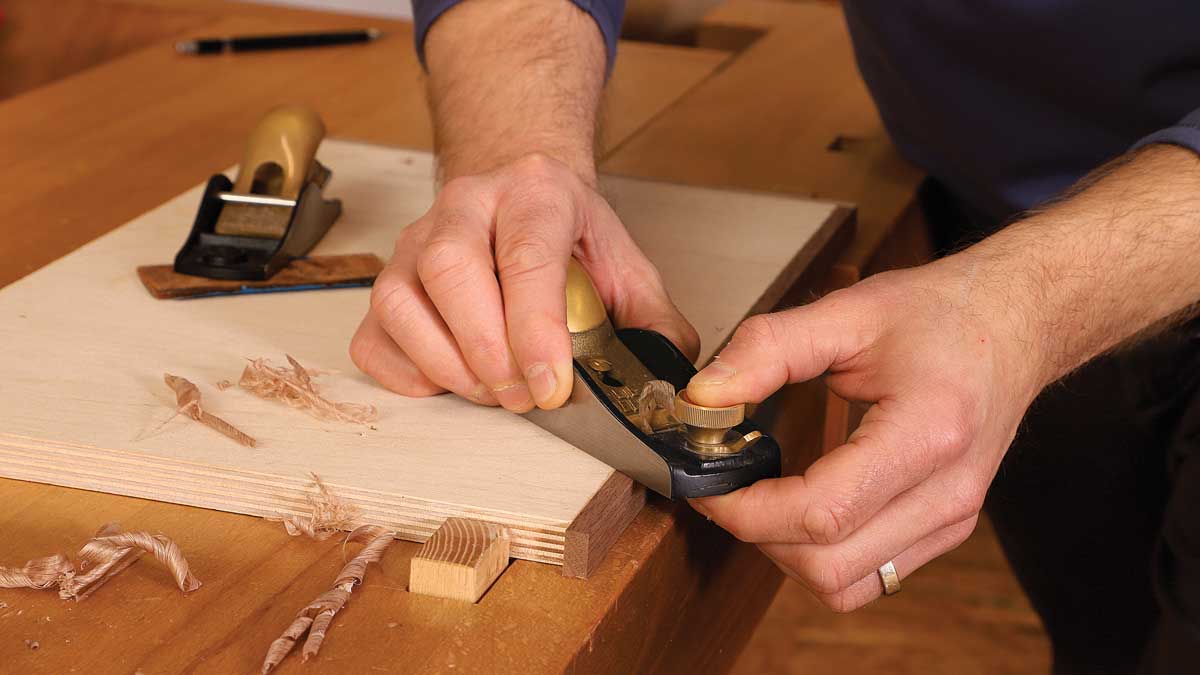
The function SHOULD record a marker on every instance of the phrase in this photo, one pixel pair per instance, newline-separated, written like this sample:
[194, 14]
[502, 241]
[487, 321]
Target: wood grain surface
[962, 614]
[599, 524]
[788, 114]
[462, 558]
[43, 41]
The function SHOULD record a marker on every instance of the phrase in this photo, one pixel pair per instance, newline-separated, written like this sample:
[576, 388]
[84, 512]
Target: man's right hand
[473, 299]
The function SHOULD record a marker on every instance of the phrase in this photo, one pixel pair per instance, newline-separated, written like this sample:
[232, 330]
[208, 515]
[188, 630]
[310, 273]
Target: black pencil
[251, 43]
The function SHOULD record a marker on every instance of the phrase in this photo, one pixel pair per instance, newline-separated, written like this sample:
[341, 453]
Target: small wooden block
[312, 273]
[461, 560]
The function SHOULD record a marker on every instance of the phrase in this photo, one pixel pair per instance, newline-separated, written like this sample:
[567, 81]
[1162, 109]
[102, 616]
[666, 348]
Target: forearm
[508, 78]
[1118, 257]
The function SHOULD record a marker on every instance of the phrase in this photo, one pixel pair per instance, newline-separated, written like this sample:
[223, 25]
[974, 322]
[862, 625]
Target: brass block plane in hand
[694, 451]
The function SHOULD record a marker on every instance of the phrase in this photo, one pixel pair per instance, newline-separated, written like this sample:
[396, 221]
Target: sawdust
[295, 387]
[329, 514]
[315, 618]
[187, 402]
[100, 558]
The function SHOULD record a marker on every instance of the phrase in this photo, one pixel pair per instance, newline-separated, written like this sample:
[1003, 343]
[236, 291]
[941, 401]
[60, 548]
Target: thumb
[768, 351]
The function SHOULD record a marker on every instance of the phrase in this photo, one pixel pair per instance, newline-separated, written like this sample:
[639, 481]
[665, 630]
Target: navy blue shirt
[1009, 102]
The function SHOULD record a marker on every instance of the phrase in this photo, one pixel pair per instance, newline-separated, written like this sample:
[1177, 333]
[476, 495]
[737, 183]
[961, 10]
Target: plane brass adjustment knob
[706, 425]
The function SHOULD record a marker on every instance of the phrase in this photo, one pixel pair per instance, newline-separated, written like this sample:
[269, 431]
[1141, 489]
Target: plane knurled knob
[706, 417]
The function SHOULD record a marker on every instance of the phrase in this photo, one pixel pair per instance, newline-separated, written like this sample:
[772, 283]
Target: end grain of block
[461, 560]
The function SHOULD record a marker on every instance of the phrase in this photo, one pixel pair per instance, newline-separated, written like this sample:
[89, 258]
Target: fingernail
[483, 395]
[543, 384]
[699, 507]
[514, 396]
[715, 373]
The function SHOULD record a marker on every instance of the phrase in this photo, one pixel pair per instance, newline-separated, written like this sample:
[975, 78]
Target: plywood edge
[830, 239]
[529, 543]
[599, 524]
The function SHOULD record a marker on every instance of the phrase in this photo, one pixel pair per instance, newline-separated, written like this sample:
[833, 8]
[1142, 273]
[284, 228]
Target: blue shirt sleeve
[606, 13]
[1184, 134]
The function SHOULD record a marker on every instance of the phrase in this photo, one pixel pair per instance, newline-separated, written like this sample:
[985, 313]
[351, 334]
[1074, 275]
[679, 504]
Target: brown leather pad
[302, 274]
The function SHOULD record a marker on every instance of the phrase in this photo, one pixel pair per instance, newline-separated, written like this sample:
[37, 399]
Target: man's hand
[949, 384]
[473, 299]
[949, 356]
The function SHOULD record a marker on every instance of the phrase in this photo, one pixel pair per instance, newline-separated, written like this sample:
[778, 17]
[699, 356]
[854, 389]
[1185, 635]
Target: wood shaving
[32, 644]
[315, 618]
[187, 402]
[101, 558]
[295, 387]
[37, 573]
[329, 514]
[112, 551]
[657, 395]
[223, 385]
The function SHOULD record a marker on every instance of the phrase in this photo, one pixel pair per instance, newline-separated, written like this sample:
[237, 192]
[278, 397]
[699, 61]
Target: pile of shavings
[295, 387]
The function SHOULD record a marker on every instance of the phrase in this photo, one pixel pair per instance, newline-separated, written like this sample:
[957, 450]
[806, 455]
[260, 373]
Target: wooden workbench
[676, 594]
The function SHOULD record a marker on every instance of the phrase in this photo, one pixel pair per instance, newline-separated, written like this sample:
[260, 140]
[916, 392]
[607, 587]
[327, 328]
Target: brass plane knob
[707, 425]
[585, 309]
[280, 152]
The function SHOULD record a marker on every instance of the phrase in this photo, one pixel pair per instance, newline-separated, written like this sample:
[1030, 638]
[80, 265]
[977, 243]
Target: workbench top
[676, 594]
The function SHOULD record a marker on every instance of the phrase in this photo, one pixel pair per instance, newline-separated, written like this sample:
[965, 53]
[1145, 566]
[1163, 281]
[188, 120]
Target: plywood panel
[84, 404]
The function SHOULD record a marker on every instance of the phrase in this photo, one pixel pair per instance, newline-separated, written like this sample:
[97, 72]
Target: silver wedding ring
[891, 580]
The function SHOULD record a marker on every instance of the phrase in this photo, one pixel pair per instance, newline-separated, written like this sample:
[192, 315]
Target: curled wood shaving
[315, 618]
[296, 388]
[100, 559]
[657, 395]
[187, 402]
[112, 551]
[329, 514]
[37, 573]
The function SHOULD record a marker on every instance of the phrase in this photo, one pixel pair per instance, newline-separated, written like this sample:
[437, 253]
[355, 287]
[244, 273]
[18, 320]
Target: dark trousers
[1097, 506]
[1097, 503]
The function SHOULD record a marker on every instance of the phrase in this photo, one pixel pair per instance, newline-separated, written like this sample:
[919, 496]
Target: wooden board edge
[537, 550]
[598, 525]
[813, 260]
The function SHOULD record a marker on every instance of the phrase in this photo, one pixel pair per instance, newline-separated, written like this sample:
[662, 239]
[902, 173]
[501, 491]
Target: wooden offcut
[460, 561]
[83, 404]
